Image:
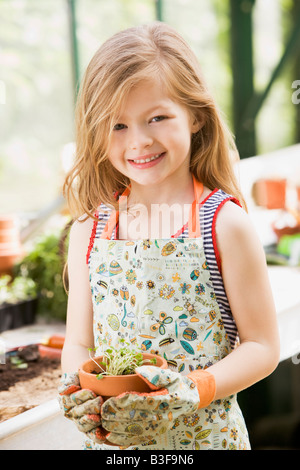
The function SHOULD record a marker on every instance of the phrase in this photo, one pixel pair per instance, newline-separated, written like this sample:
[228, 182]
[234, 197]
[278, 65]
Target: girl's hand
[81, 406]
[136, 418]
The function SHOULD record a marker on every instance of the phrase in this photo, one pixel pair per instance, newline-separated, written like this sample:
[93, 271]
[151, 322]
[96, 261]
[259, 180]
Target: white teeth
[147, 159]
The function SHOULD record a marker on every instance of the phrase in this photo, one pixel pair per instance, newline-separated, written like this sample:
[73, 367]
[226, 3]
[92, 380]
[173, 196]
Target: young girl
[165, 255]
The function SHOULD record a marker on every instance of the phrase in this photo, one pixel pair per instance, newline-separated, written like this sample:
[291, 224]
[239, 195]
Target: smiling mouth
[147, 160]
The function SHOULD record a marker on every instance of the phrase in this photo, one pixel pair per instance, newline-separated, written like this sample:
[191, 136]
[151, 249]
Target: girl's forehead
[147, 95]
[149, 89]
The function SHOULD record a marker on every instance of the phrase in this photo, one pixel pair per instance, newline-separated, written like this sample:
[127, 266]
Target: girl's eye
[119, 127]
[158, 118]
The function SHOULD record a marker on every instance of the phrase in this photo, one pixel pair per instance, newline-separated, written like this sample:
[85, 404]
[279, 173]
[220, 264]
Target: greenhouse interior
[249, 53]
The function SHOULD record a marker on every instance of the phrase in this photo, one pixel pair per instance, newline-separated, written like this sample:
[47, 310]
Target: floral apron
[157, 293]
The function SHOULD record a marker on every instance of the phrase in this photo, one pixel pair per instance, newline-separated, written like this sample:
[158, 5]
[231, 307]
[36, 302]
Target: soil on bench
[25, 388]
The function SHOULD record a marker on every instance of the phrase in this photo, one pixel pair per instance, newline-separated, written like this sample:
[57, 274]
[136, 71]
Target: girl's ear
[197, 123]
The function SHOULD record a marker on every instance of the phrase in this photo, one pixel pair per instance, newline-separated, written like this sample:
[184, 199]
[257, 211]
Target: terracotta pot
[46, 351]
[10, 245]
[270, 193]
[280, 232]
[298, 196]
[113, 385]
[53, 347]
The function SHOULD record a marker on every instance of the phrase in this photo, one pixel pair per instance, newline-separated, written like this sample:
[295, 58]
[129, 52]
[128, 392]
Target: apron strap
[114, 217]
[193, 224]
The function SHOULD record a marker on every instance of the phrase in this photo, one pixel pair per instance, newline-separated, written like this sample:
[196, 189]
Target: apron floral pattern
[158, 294]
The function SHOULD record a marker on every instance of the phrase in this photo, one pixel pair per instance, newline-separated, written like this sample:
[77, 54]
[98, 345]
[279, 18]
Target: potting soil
[27, 382]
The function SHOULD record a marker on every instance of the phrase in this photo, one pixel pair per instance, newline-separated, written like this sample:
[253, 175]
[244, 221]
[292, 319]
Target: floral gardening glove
[81, 406]
[134, 418]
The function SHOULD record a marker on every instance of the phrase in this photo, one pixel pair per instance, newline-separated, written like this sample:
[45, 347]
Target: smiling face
[151, 139]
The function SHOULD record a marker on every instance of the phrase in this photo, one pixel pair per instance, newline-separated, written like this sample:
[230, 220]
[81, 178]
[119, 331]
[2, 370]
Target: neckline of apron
[193, 222]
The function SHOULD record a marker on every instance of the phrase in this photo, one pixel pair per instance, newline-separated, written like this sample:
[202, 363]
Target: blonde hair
[130, 56]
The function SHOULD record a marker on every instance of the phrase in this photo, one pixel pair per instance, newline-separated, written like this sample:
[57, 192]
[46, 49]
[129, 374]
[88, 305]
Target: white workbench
[285, 280]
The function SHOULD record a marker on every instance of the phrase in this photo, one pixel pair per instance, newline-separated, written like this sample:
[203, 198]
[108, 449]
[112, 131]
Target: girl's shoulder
[236, 234]
[233, 219]
[225, 223]
[82, 226]
[86, 229]
[80, 234]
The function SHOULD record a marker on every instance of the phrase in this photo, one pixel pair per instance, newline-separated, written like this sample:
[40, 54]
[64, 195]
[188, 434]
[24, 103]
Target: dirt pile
[27, 380]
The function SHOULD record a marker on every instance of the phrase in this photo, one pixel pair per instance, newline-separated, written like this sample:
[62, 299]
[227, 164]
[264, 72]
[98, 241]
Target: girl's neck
[156, 211]
[168, 192]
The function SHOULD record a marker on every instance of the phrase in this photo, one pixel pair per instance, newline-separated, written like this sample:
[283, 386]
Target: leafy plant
[120, 361]
[16, 290]
[18, 363]
[45, 265]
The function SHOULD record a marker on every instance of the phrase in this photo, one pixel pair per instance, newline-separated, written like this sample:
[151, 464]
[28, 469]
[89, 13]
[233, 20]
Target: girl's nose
[139, 138]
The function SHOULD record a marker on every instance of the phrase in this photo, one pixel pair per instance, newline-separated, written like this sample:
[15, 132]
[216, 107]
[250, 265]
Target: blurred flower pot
[270, 193]
[280, 232]
[52, 347]
[10, 246]
[298, 196]
[46, 351]
[113, 385]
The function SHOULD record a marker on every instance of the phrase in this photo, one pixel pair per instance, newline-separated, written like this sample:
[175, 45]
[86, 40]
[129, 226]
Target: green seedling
[122, 360]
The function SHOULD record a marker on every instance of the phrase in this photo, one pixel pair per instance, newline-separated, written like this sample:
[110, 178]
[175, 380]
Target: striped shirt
[208, 211]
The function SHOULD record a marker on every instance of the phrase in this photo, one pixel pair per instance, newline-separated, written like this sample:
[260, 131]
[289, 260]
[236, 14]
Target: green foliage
[16, 290]
[122, 360]
[44, 265]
